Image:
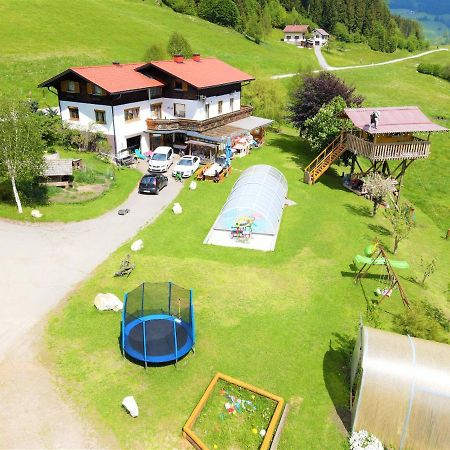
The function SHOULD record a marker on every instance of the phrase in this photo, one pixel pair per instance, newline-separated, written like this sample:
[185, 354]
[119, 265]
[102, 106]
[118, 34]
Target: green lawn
[283, 321]
[119, 188]
[358, 54]
[117, 30]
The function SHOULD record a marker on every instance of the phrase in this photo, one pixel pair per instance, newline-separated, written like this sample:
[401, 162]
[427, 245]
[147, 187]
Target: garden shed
[400, 390]
[251, 215]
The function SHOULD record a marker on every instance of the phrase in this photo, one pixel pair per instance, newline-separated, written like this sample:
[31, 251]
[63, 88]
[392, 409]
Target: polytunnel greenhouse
[251, 216]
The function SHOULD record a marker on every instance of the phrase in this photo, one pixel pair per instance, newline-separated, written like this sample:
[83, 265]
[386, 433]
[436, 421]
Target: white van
[161, 159]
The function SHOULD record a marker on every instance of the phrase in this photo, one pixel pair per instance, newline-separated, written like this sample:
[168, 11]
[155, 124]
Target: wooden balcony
[411, 149]
[198, 125]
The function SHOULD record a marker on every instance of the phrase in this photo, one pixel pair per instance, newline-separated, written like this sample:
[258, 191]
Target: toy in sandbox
[376, 256]
[158, 323]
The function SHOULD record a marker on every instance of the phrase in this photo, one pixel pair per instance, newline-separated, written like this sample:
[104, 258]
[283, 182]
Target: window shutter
[64, 86]
[77, 87]
[185, 86]
[89, 88]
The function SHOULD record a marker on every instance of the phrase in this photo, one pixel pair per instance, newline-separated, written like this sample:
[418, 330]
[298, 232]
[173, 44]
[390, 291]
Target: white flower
[363, 440]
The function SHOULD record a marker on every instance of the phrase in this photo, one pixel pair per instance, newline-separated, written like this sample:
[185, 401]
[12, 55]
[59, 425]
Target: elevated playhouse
[384, 136]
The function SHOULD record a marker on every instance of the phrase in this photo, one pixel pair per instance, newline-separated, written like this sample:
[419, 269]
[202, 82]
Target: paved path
[40, 265]
[325, 66]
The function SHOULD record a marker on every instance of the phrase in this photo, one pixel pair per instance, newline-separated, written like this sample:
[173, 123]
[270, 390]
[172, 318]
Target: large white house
[171, 102]
[296, 34]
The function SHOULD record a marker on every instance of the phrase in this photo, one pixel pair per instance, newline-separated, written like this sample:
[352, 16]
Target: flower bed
[233, 414]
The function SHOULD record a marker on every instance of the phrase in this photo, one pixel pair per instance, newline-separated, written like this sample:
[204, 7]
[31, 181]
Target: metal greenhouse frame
[251, 216]
[400, 390]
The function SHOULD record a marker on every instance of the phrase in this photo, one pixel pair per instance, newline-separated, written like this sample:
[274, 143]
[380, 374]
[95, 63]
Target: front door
[134, 142]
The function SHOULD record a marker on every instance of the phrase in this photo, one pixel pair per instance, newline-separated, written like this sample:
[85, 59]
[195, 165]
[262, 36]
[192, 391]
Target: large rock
[36, 213]
[137, 245]
[107, 302]
[129, 403]
[193, 185]
[177, 209]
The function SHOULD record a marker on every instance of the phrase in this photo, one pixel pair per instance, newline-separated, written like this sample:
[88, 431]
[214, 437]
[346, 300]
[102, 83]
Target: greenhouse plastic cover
[260, 192]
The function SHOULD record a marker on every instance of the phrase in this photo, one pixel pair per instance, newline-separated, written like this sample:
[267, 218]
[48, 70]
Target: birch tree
[21, 149]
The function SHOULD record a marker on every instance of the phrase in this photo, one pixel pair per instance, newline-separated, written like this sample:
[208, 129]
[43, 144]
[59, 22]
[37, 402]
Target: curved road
[40, 265]
[325, 66]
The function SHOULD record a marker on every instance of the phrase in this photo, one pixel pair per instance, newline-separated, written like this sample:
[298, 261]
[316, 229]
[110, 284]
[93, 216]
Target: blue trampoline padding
[159, 338]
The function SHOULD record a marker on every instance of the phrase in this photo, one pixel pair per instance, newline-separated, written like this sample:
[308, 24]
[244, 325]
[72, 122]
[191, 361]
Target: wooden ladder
[323, 161]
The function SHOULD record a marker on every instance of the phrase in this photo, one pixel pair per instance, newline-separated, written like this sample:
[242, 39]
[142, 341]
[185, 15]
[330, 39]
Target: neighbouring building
[296, 34]
[320, 37]
[186, 103]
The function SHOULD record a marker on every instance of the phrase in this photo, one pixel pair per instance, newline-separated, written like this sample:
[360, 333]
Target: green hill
[39, 39]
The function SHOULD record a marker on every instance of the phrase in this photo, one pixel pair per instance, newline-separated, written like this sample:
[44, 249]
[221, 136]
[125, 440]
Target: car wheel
[157, 191]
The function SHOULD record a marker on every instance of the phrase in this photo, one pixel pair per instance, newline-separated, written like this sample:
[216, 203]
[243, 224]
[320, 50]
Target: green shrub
[437, 70]
[178, 45]
[88, 176]
[221, 12]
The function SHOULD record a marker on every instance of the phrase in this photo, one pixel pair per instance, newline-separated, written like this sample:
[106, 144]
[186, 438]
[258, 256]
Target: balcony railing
[414, 149]
[198, 125]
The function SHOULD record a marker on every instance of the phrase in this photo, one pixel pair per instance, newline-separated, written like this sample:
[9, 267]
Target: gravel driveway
[40, 265]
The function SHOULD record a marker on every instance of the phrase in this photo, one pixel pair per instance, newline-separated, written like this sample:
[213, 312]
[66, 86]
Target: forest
[368, 21]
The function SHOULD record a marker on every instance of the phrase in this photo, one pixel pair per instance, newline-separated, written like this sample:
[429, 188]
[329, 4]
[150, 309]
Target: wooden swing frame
[392, 276]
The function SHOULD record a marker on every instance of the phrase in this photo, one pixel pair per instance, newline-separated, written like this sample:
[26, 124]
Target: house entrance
[134, 142]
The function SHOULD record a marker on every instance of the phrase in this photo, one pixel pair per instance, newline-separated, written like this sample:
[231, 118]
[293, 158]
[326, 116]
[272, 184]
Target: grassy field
[66, 208]
[283, 321]
[128, 28]
[358, 54]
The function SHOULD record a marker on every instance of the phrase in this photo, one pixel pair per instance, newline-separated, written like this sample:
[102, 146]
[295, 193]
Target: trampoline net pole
[170, 298]
[142, 299]
[175, 342]
[191, 316]
[144, 337]
[124, 314]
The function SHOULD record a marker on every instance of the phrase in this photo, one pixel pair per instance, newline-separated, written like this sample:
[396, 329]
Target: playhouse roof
[404, 389]
[296, 28]
[202, 73]
[403, 119]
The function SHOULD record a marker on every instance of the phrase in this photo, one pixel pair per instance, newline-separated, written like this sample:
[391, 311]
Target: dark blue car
[152, 183]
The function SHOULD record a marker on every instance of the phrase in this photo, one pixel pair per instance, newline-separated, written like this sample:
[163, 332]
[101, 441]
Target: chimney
[178, 58]
[196, 57]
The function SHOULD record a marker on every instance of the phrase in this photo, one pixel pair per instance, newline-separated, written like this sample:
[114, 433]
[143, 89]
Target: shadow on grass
[359, 210]
[31, 193]
[297, 147]
[336, 374]
[379, 229]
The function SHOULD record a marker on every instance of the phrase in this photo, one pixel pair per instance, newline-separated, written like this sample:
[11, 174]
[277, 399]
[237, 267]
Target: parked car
[152, 183]
[186, 166]
[161, 159]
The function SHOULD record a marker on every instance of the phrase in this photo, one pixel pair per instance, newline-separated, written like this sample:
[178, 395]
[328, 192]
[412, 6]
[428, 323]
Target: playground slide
[360, 260]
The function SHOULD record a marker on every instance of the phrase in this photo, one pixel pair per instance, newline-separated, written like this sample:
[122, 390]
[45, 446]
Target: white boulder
[129, 403]
[36, 213]
[193, 185]
[137, 245]
[177, 209]
[107, 302]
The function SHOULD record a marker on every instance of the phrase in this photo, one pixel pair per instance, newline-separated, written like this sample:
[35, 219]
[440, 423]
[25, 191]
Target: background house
[296, 34]
[320, 37]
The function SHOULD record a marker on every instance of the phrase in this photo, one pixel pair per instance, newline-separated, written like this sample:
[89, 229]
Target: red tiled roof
[117, 77]
[207, 72]
[404, 119]
[296, 28]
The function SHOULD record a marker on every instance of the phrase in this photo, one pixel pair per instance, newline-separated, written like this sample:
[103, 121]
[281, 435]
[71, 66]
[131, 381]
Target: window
[179, 85]
[296, 38]
[179, 110]
[74, 114]
[100, 116]
[155, 92]
[156, 110]
[288, 37]
[231, 104]
[131, 114]
[70, 86]
[220, 106]
[97, 90]
[207, 111]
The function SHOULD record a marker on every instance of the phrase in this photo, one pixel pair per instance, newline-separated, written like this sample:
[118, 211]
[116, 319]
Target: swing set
[388, 278]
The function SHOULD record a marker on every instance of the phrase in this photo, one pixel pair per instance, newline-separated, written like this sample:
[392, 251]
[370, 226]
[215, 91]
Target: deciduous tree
[401, 221]
[21, 149]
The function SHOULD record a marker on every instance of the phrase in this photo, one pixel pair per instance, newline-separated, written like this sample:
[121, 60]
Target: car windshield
[185, 162]
[158, 157]
[221, 160]
[148, 180]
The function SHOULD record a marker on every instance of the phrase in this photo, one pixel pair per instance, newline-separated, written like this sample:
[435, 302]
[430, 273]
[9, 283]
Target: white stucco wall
[86, 112]
[289, 37]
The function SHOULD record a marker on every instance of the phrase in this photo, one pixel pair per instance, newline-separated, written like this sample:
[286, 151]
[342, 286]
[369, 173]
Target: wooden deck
[412, 149]
[198, 125]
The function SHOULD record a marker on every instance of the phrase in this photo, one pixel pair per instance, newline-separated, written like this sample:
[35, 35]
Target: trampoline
[158, 323]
